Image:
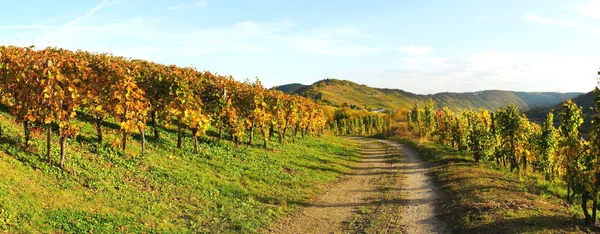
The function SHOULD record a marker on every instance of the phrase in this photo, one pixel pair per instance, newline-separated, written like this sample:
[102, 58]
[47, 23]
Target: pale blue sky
[420, 46]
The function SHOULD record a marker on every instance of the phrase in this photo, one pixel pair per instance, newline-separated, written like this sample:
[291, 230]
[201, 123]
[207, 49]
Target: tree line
[508, 139]
[51, 85]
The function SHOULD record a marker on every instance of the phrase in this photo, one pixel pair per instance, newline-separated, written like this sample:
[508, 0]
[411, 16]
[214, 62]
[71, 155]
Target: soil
[389, 191]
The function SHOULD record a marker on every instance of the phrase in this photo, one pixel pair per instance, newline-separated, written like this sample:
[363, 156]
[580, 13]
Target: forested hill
[337, 92]
[585, 101]
[290, 88]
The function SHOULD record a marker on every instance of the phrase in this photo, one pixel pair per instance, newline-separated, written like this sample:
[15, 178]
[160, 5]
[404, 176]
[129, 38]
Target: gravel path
[387, 192]
[419, 212]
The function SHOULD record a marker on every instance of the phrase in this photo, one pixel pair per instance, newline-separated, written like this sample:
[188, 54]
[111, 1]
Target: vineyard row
[49, 86]
[508, 139]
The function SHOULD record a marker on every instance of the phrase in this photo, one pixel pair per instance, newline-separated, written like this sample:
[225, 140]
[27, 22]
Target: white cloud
[585, 26]
[331, 41]
[589, 9]
[242, 36]
[154, 40]
[210, 45]
[65, 35]
[335, 47]
[200, 3]
[23, 26]
[254, 36]
[484, 71]
[244, 30]
[412, 49]
[342, 32]
[546, 20]
[88, 14]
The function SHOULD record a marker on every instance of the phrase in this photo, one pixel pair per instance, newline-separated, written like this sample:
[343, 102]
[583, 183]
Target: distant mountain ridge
[337, 92]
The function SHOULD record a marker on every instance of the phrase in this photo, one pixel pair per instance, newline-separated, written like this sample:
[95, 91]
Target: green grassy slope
[336, 92]
[483, 199]
[224, 189]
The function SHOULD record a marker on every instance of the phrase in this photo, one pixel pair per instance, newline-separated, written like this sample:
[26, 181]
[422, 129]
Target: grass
[224, 189]
[484, 199]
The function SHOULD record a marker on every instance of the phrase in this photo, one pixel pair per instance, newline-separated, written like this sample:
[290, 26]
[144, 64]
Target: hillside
[585, 100]
[337, 92]
[290, 88]
[224, 189]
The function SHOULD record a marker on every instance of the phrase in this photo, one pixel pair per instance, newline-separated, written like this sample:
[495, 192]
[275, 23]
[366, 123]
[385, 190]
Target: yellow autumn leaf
[48, 119]
[31, 118]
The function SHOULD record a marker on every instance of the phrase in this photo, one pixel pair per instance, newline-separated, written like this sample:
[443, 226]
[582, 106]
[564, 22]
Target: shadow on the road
[373, 168]
[378, 156]
[373, 173]
[395, 201]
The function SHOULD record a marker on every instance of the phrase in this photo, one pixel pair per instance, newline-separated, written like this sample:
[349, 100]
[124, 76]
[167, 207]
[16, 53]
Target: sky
[420, 46]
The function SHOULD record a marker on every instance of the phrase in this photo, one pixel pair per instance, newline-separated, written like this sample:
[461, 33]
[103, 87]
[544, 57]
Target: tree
[570, 121]
[240, 110]
[280, 104]
[185, 110]
[462, 132]
[193, 117]
[429, 118]
[480, 138]
[130, 107]
[591, 175]
[415, 121]
[260, 115]
[548, 143]
[20, 79]
[156, 83]
[528, 135]
[446, 121]
[217, 99]
[256, 113]
[510, 130]
[291, 114]
[104, 76]
[62, 93]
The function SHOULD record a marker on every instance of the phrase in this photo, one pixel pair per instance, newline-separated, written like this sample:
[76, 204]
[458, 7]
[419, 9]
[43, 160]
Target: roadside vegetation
[484, 198]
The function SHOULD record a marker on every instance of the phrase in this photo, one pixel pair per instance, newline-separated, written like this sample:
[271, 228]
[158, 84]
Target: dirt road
[387, 192]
